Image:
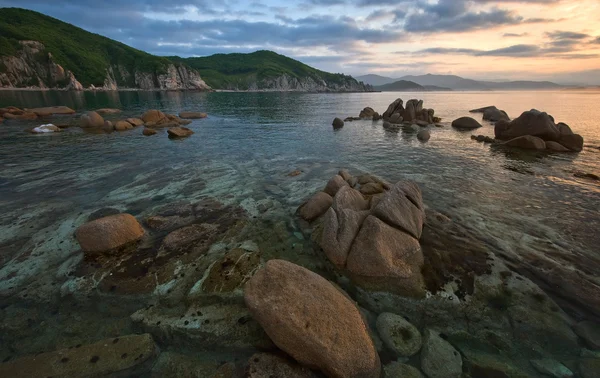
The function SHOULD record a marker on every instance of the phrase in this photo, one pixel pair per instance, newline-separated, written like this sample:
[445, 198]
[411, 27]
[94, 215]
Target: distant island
[41, 52]
[408, 86]
[457, 83]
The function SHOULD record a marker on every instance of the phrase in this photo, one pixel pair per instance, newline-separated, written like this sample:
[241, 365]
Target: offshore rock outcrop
[34, 67]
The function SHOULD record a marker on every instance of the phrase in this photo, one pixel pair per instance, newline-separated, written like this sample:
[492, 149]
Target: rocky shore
[387, 286]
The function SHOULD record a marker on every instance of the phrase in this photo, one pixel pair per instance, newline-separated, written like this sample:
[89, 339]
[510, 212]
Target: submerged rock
[466, 123]
[398, 335]
[439, 359]
[423, 135]
[552, 368]
[589, 332]
[266, 365]
[311, 320]
[399, 370]
[109, 233]
[131, 355]
[108, 111]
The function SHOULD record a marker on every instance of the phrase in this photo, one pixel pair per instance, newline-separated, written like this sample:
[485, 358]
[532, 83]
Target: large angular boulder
[316, 206]
[398, 210]
[91, 120]
[395, 107]
[311, 320]
[385, 258]
[527, 142]
[532, 122]
[466, 123]
[109, 233]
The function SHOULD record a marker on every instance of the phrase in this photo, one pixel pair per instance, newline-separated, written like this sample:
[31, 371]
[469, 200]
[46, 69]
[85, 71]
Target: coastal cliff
[34, 67]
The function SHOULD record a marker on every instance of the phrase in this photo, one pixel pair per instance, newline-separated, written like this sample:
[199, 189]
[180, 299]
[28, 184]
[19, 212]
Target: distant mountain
[448, 81]
[375, 80]
[512, 85]
[435, 88]
[401, 85]
[457, 83]
[267, 70]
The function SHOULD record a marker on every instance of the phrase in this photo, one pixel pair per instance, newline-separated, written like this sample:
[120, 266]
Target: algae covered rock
[398, 334]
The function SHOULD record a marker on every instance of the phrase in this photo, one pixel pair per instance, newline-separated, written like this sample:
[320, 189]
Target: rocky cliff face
[34, 67]
[307, 84]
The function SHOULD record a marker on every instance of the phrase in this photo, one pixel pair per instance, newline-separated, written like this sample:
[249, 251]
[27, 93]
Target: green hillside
[85, 54]
[229, 71]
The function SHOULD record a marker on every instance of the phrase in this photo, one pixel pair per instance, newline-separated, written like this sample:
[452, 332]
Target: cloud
[514, 51]
[559, 35]
[515, 35]
[596, 40]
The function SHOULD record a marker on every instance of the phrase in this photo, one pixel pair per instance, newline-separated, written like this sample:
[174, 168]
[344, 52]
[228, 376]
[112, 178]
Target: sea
[243, 152]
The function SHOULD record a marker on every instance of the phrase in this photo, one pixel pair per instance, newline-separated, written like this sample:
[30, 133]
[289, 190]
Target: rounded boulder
[311, 320]
[467, 123]
[109, 233]
[91, 119]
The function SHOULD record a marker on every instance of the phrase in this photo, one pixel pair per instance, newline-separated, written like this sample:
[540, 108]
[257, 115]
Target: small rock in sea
[467, 123]
[192, 115]
[91, 119]
[337, 123]
[311, 320]
[179, 132]
[135, 121]
[148, 131]
[367, 112]
[439, 359]
[43, 129]
[123, 126]
[295, 173]
[423, 135]
[398, 335]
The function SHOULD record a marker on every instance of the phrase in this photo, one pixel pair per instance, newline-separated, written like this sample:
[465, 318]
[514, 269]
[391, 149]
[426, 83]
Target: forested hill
[267, 70]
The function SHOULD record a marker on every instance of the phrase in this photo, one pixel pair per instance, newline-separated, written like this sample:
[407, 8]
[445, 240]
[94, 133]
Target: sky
[556, 40]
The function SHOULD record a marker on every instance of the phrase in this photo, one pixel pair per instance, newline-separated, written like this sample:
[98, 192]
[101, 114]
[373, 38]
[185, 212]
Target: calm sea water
[242, 153]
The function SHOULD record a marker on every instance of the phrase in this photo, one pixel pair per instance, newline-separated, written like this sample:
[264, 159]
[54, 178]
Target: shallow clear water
[525, 203]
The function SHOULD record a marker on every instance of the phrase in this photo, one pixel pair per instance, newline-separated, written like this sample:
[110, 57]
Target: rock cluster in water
[93, 121]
